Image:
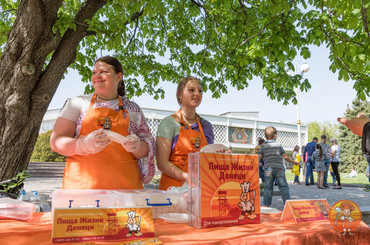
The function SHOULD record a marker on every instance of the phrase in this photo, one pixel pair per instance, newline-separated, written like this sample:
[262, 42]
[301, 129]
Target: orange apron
[111, 168]
[189, 141]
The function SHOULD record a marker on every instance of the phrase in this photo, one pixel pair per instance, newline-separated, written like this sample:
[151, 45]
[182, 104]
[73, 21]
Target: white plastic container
[67, 198]
[16, 209]
[162, 202]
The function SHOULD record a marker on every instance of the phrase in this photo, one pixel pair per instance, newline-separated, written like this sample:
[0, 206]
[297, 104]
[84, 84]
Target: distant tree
[318, 129]
[42, 152]
[351, 153]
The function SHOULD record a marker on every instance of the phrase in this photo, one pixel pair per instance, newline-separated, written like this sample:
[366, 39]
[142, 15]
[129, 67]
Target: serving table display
[271, 230]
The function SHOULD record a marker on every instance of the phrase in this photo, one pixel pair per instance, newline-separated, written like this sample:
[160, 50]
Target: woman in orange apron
[94, 160]
[181, 133]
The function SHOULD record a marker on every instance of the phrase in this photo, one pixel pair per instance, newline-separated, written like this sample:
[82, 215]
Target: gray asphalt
[354, 193]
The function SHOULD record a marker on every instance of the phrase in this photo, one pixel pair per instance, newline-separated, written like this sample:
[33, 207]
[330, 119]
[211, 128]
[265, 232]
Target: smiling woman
[81, 132]
[181, 133]
[105, 79]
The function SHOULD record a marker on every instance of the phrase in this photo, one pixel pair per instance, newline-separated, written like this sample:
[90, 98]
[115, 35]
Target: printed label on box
[99, 224]
[229, 189]
[306, 210]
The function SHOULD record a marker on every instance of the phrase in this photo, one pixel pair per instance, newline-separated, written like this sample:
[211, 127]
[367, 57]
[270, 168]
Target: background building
[237, 130]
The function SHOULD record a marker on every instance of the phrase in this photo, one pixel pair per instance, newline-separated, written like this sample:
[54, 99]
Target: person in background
[260, 162]
[325, 147]
[181, 133]
[332, 175]
[360, 127]
[273, 153]
[310, 164]
[83, 132]
[294, 156]
[320, 157]
[304, 162]
[335, 153]
[368, 167]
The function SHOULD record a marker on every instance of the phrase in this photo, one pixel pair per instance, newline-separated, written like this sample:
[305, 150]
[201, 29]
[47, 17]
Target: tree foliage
[221, 42]
[316, 129]
[351, 152]
[42, 152]
[343, 26]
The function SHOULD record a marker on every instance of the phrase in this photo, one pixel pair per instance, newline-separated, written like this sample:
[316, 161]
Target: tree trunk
[27, 81]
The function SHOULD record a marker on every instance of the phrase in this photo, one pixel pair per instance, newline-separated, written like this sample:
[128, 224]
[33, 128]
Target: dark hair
[180, 87]
[117, 66]
[315, 138]
[260, 141]
[318, 146]
[270, 132]
[296, 148]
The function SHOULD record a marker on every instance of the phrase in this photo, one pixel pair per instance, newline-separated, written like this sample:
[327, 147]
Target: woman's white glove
[131, 143]
[92, 143]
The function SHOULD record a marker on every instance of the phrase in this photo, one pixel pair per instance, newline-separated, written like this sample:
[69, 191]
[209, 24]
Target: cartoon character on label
[196, 143]
[133, 225]
[344, 212]
[107, 123]
[247, 201]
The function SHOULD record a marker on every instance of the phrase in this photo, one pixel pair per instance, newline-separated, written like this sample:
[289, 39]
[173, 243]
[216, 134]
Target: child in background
[273, 154]
[320, 156]
[296, 168]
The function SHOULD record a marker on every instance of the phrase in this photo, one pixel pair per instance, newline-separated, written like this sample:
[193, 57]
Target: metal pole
[298, 125]
[299, 133]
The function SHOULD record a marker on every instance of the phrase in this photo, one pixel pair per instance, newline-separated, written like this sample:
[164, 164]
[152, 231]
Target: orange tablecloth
[270, 231]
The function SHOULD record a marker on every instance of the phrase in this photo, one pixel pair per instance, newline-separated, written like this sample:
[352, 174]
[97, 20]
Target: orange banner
[99, 224]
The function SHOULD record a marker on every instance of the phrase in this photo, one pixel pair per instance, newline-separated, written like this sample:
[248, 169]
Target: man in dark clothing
[310, 149]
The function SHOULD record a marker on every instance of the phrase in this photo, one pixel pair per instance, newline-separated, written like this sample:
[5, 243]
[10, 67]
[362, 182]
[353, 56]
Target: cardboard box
[223, 189]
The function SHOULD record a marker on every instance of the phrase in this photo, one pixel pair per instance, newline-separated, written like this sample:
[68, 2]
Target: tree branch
[243, 8]
[364, 18]
[337, 34]
[289, 12]
[135, 16]
[262, 30]
[349, 70]
[133, 35]
[66, 51]
[197, 4]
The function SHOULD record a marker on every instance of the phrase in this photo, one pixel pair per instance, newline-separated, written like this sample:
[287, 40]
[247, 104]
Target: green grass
[361, 179]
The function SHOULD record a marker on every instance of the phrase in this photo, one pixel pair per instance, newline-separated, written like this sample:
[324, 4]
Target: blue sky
[327, 99]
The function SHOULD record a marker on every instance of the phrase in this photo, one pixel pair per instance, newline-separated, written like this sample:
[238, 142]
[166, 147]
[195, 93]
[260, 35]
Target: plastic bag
[16, 209]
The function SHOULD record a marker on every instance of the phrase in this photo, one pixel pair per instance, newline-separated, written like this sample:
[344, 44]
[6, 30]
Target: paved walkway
[45, 186]
[354, 193]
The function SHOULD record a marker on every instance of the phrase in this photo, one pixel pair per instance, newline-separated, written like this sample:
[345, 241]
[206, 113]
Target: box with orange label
[223, 189]
[102, 224]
